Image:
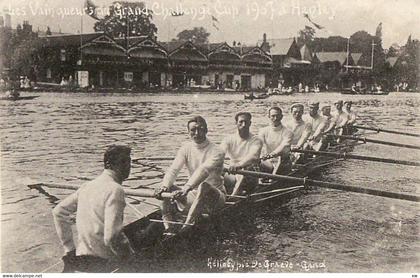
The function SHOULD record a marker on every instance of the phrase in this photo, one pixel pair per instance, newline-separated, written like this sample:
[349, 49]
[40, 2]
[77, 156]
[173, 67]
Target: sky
[239, 20]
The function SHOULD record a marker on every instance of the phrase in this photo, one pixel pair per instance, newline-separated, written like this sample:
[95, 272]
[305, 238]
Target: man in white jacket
[204, 191]
[99, 208]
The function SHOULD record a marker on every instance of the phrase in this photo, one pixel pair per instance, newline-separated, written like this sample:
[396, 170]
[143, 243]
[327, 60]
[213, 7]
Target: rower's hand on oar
[182, 192]
[268, 156]
[234, 168]
[159, 191]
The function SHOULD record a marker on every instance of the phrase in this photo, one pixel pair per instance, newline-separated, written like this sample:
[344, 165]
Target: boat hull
[157, 243]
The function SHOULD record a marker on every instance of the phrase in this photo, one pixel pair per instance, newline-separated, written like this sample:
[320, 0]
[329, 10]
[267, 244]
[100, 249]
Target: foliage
[127, 19]
[306, 36]
[197, 35]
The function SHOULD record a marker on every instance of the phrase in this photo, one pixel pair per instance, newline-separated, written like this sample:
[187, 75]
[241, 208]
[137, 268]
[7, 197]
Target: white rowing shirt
[272, 137]
[318, 124]
[204, 163]
[237, 148]
[299, 129]
[340, 119]
[351, 116]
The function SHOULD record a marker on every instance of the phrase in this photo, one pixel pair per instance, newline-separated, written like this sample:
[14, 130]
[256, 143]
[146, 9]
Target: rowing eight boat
[155, 242]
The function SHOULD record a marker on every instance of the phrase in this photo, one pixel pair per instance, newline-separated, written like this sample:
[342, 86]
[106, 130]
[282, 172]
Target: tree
[135, 15]
[197, 35]
[306, 36]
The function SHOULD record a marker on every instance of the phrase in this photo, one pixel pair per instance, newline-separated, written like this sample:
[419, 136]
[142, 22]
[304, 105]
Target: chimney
[264, 38]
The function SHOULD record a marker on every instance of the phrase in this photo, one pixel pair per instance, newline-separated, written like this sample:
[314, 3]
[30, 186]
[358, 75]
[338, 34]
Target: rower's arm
[305, 135]
[284, 147]
[63, 215]
[253, 155]
[331, 125]
[113, 223]
[212, 163]
[320, 129]
[173, 171]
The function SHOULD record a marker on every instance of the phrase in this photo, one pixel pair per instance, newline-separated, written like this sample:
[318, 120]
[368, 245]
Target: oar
[366, 140]
[386, 130]
[147, 193]
[157, 158]
[359, 157]
[332, 185]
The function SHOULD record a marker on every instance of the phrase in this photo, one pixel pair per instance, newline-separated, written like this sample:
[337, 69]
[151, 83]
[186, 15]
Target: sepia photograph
[210, 136]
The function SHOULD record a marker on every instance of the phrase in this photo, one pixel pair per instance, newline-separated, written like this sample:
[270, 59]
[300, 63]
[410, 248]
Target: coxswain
[301, 130]
[204, 191]
[318, 125]
[351, 117]
[276, 139]
[99, 208]
[243, 149]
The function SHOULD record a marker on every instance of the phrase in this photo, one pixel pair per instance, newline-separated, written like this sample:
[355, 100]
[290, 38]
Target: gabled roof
[147, 48]
[68, 40]
[279, 46]
[392, 61]
[103, 45]
[306, 53]
[130, 40]
[356, 57]
[340, 57]
[256, 51]
[188, 51]
[224, 48]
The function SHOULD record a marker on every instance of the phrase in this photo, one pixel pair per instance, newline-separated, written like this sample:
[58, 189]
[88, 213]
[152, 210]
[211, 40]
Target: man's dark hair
[246, 114]
[114, 153]
[198, 120]
[278, 109]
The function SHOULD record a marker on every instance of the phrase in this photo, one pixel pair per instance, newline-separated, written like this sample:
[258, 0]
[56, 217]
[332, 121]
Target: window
[63, 55]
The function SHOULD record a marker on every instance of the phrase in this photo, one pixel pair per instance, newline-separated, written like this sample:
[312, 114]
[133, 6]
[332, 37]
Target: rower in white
[204, 191]
[276, 140]
[318, 125]
[244, 150]
[329, 127]
[340, 119]
[352, 117]
[301, 130]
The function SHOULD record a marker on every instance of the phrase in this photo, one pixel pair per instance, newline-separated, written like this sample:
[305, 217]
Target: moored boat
[252, 96]
[15, 98]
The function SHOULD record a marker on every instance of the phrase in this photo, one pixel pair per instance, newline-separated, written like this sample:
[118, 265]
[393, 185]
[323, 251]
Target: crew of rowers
[207, 187]
[99, 205]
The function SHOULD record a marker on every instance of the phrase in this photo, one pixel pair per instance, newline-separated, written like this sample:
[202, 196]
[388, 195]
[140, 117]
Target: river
[60, 138]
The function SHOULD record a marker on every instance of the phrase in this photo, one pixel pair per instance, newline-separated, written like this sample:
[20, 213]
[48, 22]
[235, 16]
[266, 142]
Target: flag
[214, 19]
[90, 9]
[313, 23]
